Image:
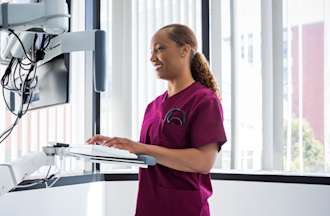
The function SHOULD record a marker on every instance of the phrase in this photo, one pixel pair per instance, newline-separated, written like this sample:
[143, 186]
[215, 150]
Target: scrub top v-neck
[189, 119]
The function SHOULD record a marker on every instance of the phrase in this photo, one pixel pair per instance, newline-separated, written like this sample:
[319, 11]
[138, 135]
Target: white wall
[121, 197]
[237, 198]
[231, 198]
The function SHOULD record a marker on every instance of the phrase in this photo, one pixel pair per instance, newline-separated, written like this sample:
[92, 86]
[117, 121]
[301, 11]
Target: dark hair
[199, 65]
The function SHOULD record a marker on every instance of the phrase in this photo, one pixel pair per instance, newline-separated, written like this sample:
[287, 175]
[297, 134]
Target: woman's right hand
[98, 139]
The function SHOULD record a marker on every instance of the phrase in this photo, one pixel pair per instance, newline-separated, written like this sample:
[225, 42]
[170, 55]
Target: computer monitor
[52, 80]
[52, 86]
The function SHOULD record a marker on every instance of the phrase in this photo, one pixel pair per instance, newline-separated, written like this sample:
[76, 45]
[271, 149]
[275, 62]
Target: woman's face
[166, 56]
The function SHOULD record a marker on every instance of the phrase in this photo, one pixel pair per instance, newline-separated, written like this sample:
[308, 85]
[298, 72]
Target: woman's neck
[175, 86]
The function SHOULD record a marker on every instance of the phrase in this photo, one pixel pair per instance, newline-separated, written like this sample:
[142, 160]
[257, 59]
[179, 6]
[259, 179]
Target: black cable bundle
[24, 84]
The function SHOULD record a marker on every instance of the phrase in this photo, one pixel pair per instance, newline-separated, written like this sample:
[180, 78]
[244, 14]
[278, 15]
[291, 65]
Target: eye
[160, 48]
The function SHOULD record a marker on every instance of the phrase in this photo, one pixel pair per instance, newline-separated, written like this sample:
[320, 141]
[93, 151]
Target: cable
[6, 103]
[26, 88]
[44, 180]
[50, 166]
[30, 185]
[25, 91]
[22, 92]
[22, 66]
[19, 72]
[5, 77]
[19, 40]
[25, 64]
[49, 37]
[8, 131]
[14, 76]
[21, 111]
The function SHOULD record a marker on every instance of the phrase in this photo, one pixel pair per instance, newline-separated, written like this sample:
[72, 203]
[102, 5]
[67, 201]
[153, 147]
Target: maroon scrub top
[189, 119]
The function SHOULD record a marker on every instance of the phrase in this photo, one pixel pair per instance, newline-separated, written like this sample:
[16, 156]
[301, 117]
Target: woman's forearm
[187, 160]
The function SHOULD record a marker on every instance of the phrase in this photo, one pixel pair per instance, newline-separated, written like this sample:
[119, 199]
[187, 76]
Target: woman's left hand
[125, 144]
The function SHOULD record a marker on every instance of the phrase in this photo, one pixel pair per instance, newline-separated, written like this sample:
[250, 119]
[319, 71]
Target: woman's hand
[126, 144]
[98, 139]
[117, 142]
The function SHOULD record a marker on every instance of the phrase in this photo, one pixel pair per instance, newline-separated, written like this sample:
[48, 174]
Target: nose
[153, 57]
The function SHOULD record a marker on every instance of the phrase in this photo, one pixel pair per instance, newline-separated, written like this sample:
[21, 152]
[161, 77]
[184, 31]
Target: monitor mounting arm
[50, 16]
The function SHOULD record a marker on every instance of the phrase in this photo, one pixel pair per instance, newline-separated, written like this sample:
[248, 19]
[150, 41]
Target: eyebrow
[155, 45]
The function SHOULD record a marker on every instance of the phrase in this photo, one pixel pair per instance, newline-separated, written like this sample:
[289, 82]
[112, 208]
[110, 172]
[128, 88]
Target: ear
[185, 50]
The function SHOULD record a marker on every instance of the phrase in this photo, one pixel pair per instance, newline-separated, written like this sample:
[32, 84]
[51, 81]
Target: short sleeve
[144, 126]
[207, 123]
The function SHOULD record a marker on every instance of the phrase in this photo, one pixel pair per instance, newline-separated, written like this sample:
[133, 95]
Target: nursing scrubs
[189, 119]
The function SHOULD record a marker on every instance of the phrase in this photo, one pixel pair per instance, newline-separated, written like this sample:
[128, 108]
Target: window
[240, 84]
[306, 104]
[220, 61]
[277, 117]
[273, 73]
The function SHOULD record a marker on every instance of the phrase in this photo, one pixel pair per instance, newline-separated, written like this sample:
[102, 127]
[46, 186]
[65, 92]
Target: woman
[182, 128]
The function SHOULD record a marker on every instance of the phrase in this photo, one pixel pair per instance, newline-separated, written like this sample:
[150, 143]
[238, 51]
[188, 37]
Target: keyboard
[103, 151]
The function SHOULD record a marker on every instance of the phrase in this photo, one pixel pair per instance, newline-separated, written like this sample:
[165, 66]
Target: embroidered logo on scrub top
[176, 116]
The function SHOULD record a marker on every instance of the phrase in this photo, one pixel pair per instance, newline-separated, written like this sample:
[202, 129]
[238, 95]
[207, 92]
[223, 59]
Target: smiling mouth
[158, 67]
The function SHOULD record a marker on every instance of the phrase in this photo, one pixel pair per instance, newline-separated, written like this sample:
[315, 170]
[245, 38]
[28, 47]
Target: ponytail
[201, 72]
